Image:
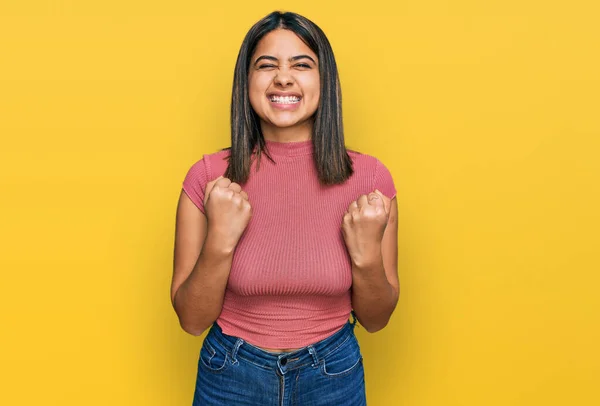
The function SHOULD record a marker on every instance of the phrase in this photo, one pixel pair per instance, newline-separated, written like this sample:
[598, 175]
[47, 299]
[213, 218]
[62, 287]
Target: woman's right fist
[227, 209]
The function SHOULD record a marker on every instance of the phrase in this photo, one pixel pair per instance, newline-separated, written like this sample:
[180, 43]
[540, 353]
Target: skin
[284, 75]
[204, 245]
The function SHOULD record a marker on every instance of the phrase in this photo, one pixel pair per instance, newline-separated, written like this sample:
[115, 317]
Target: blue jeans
[234, 372]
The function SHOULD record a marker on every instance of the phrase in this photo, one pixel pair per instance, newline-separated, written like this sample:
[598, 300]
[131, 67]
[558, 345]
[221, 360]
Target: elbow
[191, 327]
[194, 330]
[375, 328]
[375, 325]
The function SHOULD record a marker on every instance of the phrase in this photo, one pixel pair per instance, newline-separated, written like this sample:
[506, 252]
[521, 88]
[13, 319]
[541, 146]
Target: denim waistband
[311, 354]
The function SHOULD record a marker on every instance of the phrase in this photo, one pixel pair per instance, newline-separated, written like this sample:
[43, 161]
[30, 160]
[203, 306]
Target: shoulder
[211, 165]
[202, 171]
[366, 162]
[370, 169]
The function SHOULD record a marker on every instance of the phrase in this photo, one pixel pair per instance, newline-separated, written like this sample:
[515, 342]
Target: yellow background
[485, 112]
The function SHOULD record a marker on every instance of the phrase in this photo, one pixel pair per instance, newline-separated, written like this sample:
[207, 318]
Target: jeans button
[283, 361]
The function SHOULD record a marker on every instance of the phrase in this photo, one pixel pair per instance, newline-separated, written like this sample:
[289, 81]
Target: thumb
[386, 200]
[209, 186]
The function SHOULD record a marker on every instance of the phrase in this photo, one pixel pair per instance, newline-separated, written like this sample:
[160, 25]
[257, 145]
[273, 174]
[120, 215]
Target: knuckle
[225, 182]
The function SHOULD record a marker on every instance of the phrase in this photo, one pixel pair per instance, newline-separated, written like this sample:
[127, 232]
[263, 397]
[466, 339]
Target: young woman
[274, 254]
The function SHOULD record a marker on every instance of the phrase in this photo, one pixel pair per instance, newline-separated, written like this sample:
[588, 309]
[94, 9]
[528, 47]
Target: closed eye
[300, 65]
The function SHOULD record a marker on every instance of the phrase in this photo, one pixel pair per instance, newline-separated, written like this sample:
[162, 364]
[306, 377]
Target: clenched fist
[363, 226]
[228, 210]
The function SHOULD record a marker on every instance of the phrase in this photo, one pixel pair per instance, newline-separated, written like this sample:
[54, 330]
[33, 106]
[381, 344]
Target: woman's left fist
[363, 226]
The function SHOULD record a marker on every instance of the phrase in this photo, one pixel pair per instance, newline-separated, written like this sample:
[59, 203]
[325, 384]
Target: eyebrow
[292, 59]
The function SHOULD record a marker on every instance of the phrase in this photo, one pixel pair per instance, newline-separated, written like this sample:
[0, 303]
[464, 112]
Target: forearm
[373, 297]
[199, 300]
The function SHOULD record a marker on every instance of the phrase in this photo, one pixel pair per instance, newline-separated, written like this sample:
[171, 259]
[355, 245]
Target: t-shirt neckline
[293, 148]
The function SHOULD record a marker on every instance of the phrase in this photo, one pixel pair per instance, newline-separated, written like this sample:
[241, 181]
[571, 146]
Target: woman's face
[283, 80]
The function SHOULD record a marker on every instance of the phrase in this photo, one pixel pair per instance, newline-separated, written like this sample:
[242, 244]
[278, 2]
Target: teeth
[285, 100]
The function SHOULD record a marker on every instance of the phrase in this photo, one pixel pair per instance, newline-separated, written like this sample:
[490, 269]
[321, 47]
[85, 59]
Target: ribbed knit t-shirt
[291, 273]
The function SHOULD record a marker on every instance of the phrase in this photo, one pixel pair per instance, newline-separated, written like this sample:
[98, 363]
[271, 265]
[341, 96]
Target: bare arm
[201, 268]
[204, 250]
[375, 282]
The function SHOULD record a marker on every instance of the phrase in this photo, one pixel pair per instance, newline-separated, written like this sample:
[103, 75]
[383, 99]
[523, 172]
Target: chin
[285, 123]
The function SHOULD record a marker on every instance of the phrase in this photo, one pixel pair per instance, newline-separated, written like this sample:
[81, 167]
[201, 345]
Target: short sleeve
[383, 180]
[194, 184]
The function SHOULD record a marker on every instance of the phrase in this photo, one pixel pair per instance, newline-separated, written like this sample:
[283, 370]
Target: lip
[281, 94]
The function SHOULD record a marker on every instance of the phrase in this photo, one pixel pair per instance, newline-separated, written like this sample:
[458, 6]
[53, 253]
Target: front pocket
[344, 360]
[328, 370]
[213, 358]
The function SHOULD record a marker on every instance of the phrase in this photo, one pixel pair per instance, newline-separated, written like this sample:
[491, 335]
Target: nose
[283, 77]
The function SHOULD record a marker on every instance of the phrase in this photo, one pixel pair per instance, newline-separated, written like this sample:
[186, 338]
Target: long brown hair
[332, 161]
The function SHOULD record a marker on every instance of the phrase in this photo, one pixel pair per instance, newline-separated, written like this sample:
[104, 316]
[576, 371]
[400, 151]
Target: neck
[300, 132]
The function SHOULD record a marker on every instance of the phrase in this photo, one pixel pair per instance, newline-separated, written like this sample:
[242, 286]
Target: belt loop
[354, 319]
[236, 347]
[313, 352]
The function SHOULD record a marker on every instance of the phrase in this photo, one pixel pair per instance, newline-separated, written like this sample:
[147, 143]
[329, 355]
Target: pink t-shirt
[291, 274]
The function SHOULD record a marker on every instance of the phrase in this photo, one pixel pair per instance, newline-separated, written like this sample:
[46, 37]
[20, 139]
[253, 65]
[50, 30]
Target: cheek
[315, 90]
[254, 97]
[257, 88]
[312, 83]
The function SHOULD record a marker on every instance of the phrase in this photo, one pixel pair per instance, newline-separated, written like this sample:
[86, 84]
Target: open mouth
[290, 102]
[285, 99]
